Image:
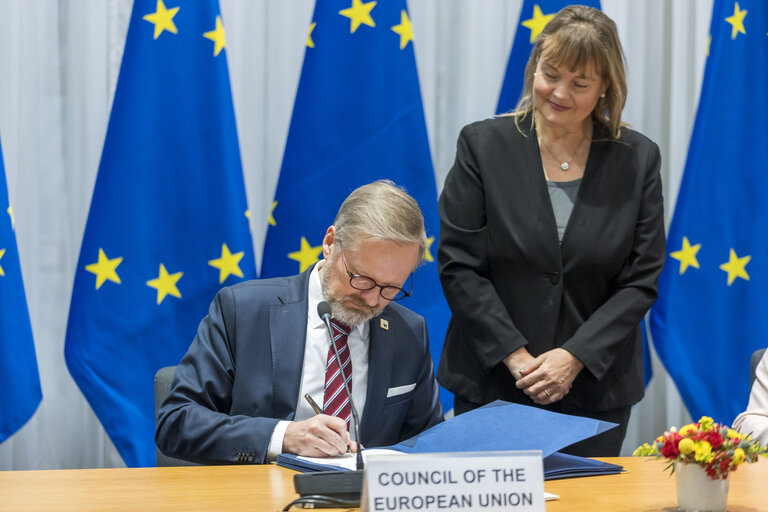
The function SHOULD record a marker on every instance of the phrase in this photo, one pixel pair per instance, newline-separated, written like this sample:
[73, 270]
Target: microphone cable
[321, 501]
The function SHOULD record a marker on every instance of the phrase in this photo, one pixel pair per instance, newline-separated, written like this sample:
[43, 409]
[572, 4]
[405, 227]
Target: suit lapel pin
[383, 324]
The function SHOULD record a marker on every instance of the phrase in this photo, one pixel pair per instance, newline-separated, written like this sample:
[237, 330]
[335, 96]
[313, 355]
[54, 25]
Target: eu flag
[534, 15]
[19, 380]
[358, 117]
[167, 226]
[711, 312]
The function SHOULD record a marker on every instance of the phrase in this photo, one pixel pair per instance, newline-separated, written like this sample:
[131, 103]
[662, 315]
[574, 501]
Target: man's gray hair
[381, 211]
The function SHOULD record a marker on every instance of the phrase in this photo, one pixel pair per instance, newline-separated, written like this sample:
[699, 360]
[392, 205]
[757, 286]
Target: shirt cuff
[276, 441]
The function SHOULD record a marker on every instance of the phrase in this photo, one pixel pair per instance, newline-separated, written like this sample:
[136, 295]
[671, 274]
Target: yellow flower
[703, 452]
[732, 434]
[686, 446]
[645, 450]
[687, 429]
[738, 456]
[706, 423]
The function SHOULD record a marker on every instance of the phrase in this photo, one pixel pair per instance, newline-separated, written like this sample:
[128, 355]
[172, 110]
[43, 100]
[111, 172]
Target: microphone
[324, 311]
[325, 489]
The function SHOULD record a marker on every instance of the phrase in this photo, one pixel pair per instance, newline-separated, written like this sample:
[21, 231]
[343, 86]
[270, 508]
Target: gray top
[563, 195]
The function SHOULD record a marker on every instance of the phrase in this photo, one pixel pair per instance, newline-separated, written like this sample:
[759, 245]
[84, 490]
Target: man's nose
[372, 296]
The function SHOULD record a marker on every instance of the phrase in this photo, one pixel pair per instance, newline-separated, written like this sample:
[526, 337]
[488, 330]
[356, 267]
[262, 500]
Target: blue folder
[502, 426]
[556, 466]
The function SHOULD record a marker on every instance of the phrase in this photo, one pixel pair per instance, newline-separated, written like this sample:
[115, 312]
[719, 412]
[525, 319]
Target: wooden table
[645, 487]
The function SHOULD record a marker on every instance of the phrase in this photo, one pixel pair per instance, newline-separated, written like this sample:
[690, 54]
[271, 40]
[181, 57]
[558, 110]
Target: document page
[348, 460]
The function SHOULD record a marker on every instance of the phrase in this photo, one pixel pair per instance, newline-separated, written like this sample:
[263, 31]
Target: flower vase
[696, 491]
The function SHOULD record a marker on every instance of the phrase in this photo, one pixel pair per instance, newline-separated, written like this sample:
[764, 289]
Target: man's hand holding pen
[319, 436]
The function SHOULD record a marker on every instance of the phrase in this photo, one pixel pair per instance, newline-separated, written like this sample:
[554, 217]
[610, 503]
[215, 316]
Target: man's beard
[341, 313]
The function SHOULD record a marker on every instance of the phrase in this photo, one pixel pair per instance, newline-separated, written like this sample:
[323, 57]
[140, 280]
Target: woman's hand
[548, 378]
[518, 361]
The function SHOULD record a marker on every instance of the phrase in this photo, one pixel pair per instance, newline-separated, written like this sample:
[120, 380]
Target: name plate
[487, 481]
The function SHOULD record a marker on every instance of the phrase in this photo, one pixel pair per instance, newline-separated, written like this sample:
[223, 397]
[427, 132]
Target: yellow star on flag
[687, 255]
[359, 13]
[10, 214]
[307, 255]
[427, 253]
[217, 36]
[227, 264]
[404, 29]
[272, 214]
[165, 284]
[163, 19]
[2, 253]
[310, 42]
[736, 267]
[538, 22]
[737, 21]
[105, 269]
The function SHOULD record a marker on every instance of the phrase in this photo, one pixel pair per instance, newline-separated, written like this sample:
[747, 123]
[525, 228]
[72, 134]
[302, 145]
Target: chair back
[163, 381]
[757, 355]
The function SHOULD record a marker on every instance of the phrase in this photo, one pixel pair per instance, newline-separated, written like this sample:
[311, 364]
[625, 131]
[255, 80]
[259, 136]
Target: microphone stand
[327, 320]
[333, 489]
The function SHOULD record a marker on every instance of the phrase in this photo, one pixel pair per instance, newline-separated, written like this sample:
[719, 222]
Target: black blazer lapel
[589, 191]
[540, 204]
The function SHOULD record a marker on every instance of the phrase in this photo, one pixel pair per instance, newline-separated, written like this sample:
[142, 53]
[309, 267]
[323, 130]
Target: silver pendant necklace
[563, 165]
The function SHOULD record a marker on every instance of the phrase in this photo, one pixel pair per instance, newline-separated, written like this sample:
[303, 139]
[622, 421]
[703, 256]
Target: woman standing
[552, 239]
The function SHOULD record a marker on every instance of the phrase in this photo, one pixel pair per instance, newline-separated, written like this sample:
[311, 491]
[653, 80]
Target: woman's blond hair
[579, 36]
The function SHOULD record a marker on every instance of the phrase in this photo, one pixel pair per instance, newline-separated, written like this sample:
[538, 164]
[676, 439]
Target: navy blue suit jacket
[242, 373]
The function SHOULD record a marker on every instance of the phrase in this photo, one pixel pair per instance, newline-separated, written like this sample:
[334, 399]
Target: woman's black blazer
[511, 283]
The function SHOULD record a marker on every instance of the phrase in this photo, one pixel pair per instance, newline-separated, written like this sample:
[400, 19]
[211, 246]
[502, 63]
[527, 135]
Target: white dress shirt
[754, 420]
[313, 369]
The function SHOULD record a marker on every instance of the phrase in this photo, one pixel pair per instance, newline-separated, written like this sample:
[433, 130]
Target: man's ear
[330, 237]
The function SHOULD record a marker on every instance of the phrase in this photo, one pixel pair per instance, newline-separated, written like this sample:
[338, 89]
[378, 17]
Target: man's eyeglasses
[363, 283]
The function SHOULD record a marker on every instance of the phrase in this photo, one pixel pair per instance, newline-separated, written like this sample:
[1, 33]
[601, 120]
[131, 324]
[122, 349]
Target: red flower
[715, 439]
[669, 450]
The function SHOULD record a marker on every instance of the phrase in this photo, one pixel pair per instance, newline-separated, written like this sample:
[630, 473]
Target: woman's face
[564, 97]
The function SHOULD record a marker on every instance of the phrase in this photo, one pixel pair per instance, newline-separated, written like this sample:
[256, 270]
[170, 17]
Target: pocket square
[400, 390]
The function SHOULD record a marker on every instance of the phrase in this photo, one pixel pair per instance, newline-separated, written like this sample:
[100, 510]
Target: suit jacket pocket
[399, 394]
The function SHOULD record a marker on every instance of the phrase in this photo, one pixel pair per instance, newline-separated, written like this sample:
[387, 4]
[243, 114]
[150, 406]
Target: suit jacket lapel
[380, 356]
[545, 214]
[288, 334]
[590, 182]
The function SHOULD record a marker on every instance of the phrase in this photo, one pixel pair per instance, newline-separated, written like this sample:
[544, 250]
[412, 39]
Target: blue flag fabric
[167, 226]
[710, 315]
[647, 365]
[19, 378]
[534, 15]
[358, 117]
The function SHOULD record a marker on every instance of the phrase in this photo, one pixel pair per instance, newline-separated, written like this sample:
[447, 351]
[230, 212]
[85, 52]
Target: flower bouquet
[704, 454]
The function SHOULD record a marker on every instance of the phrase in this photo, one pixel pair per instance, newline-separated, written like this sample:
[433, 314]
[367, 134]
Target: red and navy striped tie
[335, 399]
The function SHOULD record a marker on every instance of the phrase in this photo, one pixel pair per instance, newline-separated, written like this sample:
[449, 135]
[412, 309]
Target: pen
[317, 410]
[313, 404]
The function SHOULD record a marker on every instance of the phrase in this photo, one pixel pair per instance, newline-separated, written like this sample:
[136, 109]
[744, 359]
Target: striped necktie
[335, 399]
